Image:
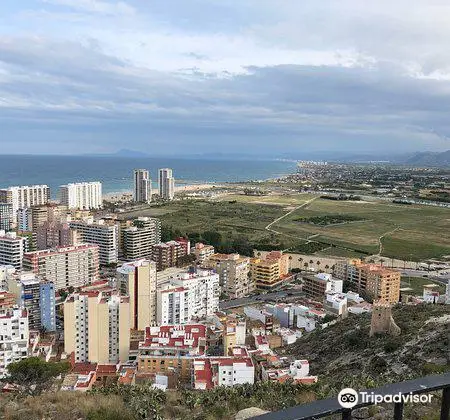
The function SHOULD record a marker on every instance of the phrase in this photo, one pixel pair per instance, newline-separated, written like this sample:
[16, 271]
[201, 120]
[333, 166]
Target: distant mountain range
[430, 159]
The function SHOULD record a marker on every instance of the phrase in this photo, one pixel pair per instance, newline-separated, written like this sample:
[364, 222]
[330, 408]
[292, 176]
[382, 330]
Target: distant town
[167, 288]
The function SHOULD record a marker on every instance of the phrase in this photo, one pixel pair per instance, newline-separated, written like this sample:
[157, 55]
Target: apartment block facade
[271, 271]
[379, 282]
[138, 240]
[6, 217]
[138, 280]
[25, 196]
[142, 186]
[202, 252]
[74, 266]
[14, 336]
[166, 184]
[190, 296]
[12, 248]
[166, 254]
[82, 195]
[97, 328]
[101, 233]
[234, 273]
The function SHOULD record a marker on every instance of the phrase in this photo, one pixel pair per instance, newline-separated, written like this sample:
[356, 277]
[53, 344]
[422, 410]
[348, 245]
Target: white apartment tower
[12, 248]
[166, 184]
[97, 328]
[26, 196]
[73, 266]
[142, 186]
[106, 236]
[189, 296]
[14, 335]
[82, 195]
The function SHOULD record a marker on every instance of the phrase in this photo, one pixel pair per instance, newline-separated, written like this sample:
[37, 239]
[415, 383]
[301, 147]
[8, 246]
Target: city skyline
[207, 77]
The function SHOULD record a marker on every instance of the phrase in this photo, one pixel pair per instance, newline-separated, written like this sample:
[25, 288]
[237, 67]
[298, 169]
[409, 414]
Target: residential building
[190, 295]
[234, 273]
[82, 195]
[97, 328]
[265, 317]
[316, 286]
[14, 335]
[37, 297]
[185, 244]
[142, 186]
[138, 240]
[166, 184]
[377, 281]
[12, 248]
[5, 272]
[276, 369]
[138, 280]
[32, 218]
[7, 301]
[54, 234]
[270, 272]
[234, 334]
[336, 303]
[70, 266]
[171, 349]
[25, 196]
[212, 372]
[166, 255]
[6, 217]
[202, 252]
[101, 233]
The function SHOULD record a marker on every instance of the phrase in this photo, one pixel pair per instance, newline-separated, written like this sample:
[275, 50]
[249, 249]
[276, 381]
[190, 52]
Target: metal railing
[322, 408]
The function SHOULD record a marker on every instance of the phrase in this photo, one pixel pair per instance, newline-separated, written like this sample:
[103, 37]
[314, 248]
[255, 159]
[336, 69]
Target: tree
[34, 375]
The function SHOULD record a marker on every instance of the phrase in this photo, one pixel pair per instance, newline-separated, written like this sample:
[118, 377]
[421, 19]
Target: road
[443, 279]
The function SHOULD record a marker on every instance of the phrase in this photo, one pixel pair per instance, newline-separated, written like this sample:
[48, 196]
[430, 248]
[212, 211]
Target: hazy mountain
[430, 159]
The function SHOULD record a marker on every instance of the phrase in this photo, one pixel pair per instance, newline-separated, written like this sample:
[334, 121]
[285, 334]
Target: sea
[116, 173]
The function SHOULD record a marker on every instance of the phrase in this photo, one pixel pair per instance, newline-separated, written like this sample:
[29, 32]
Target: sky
[230, 76]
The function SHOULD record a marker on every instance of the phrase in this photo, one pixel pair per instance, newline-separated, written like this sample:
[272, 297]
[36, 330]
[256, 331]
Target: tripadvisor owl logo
[348, 398]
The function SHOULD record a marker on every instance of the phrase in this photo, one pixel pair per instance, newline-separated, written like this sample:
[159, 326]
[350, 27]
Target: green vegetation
[332, 219]
[33, 375]
[417, 283]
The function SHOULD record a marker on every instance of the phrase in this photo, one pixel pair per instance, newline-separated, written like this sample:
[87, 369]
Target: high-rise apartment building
[6, 217]
[189, 296]
[12, 248]
[25, 196]
[379, 282]
[31, 218]
[37, 297]
[139, 239]
[82, 195]
[166, 184]
[234, 273]
[101, 233]
[142, 186]
[270, 272]
[97, 328]
[138, 280]
[54, 234]
[166, 254]
[14, 337]
[72, 266]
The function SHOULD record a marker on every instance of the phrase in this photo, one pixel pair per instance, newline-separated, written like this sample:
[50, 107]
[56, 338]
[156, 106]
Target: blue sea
[116, 173]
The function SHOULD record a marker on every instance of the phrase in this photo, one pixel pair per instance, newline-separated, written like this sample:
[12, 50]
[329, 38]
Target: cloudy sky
[250, 76]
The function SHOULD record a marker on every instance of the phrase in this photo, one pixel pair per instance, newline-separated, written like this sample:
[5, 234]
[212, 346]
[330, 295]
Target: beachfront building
[379, 282]
[234, 273]
[70, 266]
[25, 196]
[138, 280]
[101, 233]
[270, 272]
[82, 195]
[202, 252]
[37, 297]
[14, 335]
[166, 184]
[142, 186]
[12, 248]
[97, 328]
[188, 296]
[138, 240]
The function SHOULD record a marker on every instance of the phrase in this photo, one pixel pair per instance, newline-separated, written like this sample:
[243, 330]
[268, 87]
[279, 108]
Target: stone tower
[382, 321]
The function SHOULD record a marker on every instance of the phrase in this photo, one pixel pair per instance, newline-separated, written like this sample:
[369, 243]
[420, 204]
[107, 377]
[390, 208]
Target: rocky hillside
[344, 352]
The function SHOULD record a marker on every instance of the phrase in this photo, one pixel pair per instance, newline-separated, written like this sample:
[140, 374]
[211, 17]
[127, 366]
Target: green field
[406, 232]
[417, 283]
